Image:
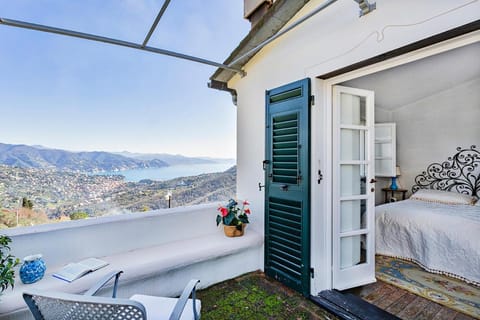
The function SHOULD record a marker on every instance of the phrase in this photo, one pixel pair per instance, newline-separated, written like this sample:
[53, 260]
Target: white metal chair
[64, 306]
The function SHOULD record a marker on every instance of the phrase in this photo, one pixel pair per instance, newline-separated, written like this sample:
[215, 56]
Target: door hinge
[312, 100]
[312, 273]
[265, 163]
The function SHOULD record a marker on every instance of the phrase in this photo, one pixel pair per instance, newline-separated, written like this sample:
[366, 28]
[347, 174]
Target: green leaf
[7, 263]
[219, 219]
[243, 218]
[228, 219]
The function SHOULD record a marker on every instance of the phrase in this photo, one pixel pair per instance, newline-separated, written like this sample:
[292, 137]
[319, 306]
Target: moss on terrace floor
[255, 296]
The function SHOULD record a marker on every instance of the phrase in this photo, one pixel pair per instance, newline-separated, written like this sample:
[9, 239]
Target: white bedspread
[440, 237]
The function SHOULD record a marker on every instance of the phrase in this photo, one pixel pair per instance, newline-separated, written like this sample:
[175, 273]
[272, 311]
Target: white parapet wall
[159, 252]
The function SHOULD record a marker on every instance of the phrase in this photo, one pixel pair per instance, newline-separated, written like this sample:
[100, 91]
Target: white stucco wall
[431, 129]
[110, 235]
[334, 38]
[427, 132]
[316, 47]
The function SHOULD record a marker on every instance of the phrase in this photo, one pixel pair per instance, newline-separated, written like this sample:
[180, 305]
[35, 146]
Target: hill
[59, 193]
[24, 156]
[173, 159]
[186, 191]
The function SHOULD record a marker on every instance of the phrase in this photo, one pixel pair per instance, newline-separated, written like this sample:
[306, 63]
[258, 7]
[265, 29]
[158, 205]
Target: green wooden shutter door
[287, 196]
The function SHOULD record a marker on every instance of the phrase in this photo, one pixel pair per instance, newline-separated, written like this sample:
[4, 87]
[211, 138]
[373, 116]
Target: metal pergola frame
[143, 46]
[364, 5]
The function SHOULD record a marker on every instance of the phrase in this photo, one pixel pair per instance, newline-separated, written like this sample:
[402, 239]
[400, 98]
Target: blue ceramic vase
[394, 185]
[32, 269]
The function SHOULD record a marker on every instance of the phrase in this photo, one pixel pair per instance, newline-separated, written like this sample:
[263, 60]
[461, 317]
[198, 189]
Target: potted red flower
[234, 218]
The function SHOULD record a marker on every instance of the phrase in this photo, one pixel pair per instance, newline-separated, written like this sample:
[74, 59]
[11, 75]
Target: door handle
[284, 187]
[373, 181]
[320, 176]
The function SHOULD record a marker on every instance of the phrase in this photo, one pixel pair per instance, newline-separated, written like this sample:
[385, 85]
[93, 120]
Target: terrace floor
[404, 304]
[256, 296]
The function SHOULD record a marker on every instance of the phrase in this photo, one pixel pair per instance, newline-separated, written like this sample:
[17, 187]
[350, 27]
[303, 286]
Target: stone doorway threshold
[350, 307]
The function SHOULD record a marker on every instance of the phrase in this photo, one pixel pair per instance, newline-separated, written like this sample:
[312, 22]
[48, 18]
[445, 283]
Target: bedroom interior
[434, 103]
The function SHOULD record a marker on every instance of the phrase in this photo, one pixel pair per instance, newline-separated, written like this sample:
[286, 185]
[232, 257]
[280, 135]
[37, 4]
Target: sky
[74, 94]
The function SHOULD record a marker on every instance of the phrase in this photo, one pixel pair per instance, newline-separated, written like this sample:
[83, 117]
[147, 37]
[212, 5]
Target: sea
[170, 172]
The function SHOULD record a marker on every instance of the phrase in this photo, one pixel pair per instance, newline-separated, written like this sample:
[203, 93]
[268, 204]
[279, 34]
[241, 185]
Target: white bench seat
[139, 265]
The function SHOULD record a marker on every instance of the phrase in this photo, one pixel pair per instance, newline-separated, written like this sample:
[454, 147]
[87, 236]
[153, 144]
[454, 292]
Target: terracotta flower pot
[232, 231]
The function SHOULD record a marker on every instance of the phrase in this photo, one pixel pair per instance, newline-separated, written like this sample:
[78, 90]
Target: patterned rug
[453, 293]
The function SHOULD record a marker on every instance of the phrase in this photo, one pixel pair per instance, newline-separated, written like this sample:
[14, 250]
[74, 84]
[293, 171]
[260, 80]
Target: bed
[432, 228]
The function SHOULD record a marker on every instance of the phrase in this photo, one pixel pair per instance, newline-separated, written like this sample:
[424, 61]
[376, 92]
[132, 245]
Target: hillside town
[56, 195]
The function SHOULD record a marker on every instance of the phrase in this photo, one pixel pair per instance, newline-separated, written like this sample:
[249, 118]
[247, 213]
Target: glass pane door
[353, 188]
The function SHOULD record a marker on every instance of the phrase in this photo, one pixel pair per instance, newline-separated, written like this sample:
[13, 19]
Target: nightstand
[388, 191]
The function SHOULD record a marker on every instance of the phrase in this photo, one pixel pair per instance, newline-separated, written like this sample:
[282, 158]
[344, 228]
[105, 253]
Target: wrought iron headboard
[460, 173]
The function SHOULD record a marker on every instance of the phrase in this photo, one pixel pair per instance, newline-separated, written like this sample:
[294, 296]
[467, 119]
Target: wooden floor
[404, 304]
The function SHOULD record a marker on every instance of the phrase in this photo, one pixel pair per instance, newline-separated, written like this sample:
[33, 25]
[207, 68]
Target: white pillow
[446, 197]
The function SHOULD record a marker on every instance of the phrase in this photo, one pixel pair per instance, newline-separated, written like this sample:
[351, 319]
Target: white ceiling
[411, 82]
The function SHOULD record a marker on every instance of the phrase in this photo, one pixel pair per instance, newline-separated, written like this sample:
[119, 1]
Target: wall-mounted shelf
[385, 149]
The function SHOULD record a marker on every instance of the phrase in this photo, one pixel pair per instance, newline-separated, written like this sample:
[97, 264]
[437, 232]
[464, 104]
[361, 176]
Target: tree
[78, 215]
[26, 203]
[7, 264]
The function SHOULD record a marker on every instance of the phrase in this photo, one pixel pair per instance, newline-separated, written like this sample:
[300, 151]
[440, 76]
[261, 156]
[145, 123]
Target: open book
[73, 271]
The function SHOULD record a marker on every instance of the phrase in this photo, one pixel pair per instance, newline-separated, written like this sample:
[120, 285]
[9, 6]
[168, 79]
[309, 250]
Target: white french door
[353, 187]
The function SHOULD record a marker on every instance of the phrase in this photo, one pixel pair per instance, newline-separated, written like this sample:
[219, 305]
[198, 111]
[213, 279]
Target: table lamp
[394, 185]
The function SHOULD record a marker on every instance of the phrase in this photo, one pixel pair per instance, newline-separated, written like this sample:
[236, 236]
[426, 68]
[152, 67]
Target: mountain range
[93, 161]
[173, 159]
